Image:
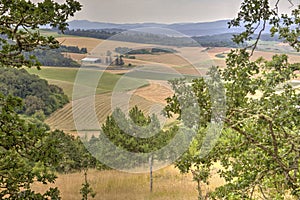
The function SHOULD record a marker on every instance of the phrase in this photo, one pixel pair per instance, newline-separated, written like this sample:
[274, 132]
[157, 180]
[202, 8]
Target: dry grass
[217, 50]
[156, 92]
[75, 56]
[168, 59]
[168, 184]
[268, 56]
[113, 185]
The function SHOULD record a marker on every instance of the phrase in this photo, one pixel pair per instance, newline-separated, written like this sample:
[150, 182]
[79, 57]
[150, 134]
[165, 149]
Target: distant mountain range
[190, 29]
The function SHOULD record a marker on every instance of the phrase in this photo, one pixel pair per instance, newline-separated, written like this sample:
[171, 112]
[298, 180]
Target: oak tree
[27, 151]
[259, 147]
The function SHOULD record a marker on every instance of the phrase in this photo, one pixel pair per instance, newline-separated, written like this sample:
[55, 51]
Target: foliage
[72, 49]
[225, 40]
[258, 149]
[75, 156]
[86, 189]
[133, 134]
[125, 50]
[27, 154]
[136, 124]
[219, 40]
[100, 34]
[20, 21]
[38, 95]
[30, 153]
[255, 15]
[119, 61]
[52, 57]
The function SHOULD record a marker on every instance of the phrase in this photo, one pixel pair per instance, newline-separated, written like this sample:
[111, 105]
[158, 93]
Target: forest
[54, 57]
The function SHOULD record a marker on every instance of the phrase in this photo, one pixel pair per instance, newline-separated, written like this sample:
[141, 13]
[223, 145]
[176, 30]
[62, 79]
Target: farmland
[146, 84]
[146, 89]
[148, 80]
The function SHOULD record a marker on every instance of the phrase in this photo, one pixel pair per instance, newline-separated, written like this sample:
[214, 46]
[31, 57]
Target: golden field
[168, 184]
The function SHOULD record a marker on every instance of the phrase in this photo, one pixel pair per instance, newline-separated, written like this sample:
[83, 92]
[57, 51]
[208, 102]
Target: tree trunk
[151, 177]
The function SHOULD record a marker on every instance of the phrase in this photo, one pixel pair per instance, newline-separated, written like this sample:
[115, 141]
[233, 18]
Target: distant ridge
[190, 29]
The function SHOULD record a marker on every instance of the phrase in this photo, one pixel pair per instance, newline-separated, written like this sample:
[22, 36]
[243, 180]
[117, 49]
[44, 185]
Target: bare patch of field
[220, 62]
[283, 44]
[293, 58]
[139, 62]
[81, 42]
[216, 50]
[190, 70]
[63, 118]
[156, 92]
[169, 59]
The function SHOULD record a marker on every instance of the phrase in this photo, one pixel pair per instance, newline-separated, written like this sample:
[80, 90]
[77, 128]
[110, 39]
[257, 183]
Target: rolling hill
[190, 29]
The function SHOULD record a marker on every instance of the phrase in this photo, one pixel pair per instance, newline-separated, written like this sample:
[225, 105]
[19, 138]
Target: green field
[65, 78]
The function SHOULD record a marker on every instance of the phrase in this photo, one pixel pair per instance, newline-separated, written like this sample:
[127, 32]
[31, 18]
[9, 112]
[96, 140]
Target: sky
[160, 11]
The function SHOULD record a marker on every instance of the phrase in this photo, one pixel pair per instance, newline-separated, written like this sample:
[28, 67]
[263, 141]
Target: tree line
[39, 96]
[55, 57]
[128, 51]
[219, 40]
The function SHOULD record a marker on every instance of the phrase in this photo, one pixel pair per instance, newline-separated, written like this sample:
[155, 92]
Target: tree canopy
[259, 147]
[19, 27]
[136, 133]
[37, 94]
[28, 153]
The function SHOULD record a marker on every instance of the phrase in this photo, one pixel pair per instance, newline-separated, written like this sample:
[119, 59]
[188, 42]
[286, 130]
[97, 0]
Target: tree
[258, 149]
[36, 92]
[86, 189]
[138, 134]
[27, 154]
[20, 20]
[117, 62]
[121, 62]
[27, 151]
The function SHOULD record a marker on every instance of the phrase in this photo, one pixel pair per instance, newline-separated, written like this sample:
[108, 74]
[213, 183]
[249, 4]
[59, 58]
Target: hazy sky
[163, 11]
[166, 11]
